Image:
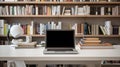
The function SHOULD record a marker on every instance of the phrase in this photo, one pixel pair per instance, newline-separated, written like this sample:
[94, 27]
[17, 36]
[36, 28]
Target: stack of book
[27, 45]
[94, 43]
[91, 41]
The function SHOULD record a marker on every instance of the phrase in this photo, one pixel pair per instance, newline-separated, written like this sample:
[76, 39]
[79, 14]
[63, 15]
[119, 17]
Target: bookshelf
[95, 18]
[34, 15]
[66, 20]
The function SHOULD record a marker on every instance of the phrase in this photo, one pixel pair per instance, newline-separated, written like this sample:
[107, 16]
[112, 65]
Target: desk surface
[8, 52]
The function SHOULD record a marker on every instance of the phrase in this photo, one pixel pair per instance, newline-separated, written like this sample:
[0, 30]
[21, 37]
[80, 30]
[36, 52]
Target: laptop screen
[60, 39]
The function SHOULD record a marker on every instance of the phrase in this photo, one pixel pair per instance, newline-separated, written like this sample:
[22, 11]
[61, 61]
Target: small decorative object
[28, 39]
[15, 31]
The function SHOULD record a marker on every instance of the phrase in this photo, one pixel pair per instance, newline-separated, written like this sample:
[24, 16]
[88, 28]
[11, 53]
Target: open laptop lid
[60, 39]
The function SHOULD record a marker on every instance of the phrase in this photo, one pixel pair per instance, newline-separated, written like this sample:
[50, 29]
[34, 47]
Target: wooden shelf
[47, 16]
[91, 3]
[94, 16]
[111, 64]
[75, 36]
[37, 35]
[62, 3]
[98, 36]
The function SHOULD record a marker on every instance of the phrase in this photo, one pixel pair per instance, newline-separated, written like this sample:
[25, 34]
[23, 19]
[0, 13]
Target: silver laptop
[60, 42]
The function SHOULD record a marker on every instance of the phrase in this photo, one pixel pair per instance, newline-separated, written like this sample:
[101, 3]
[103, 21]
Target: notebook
[60, 42]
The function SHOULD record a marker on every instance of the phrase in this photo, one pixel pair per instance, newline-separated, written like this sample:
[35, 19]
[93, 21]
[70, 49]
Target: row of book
[4, 26]
[64, 0]
[111, 62]
[82, 28]
[30, 10]
[40, 28]
[95, 29]
[32, 28]
[59, 10]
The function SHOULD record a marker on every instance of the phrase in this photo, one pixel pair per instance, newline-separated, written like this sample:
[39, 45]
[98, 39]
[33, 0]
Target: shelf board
[103, 16]
[111, 64]
[62, 3]
[91, 3]
[75, 36]
[64, 16]
[98, 36]
[94, 16]
[37, 35]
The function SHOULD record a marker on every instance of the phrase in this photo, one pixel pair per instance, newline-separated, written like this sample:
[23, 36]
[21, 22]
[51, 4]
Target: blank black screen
[60, 38]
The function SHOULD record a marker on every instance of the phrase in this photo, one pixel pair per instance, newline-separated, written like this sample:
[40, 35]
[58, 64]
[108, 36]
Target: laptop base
[49, 51]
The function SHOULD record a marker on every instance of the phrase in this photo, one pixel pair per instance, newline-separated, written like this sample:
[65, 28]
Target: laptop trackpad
[59, 50]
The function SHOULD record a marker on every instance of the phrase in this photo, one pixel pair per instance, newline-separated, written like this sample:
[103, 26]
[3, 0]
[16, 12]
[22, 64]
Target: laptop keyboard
[60, 49]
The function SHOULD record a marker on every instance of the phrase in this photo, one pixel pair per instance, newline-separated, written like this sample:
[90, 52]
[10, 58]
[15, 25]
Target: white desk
[8, 52]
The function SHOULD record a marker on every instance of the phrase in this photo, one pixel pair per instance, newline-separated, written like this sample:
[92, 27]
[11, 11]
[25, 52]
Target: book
[103, 30]
[92, 42]
[115, 29]
[27, 45]
[91, 39]
[2, 22]
[98, 46]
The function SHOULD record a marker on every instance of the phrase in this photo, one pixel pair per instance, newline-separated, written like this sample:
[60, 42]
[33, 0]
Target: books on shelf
[40, 28]
[51, 10]
[80, 28]
[4, 26]
[95, 29]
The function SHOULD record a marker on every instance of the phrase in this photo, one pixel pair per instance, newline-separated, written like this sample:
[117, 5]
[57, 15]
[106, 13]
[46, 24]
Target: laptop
[60, 42]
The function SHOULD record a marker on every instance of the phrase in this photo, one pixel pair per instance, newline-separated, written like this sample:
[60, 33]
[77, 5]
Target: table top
[9, 52]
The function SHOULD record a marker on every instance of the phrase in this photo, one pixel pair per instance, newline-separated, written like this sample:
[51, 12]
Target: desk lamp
[15, 31]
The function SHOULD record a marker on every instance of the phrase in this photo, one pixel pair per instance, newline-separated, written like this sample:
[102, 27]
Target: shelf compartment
[75, 36]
